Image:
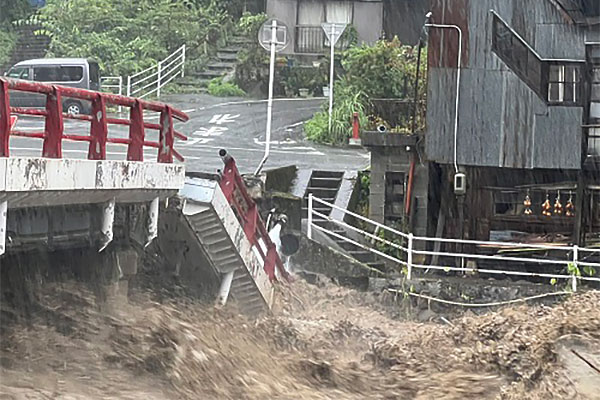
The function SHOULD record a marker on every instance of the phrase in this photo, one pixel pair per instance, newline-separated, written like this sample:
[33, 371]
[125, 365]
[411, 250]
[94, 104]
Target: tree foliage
[385, 70]
[127, 36]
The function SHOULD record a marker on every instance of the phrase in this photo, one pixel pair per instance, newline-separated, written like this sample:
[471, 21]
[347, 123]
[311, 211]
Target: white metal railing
[573, 256]
[114, 84]
[152, 79]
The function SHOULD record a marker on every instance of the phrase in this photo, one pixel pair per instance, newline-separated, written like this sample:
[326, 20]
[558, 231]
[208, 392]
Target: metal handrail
[410, 250]
[159, 71]
[53, 133]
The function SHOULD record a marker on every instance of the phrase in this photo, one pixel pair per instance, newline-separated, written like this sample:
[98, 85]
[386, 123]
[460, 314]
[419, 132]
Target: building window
[554, 81]
[517, 55]
[310, 37]
[394, 196]
[563, 83]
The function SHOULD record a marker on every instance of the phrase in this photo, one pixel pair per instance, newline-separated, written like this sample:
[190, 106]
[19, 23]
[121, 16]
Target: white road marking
[212, 131]
[234, 103]
[220, 119]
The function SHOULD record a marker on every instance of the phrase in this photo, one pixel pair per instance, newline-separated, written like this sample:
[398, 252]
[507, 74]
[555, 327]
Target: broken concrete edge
[316, 258]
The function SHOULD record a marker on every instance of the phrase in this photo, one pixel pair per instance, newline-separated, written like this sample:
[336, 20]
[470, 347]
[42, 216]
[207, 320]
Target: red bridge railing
[53, 133]
[246, 210]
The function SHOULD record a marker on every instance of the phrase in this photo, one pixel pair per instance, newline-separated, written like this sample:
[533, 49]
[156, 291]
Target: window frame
[536, 77]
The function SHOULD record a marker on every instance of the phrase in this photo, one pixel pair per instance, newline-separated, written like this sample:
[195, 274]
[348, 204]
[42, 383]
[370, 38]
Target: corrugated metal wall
[502, 122]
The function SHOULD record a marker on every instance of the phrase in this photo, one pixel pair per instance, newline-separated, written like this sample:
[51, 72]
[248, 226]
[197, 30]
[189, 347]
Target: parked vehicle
[73, 72]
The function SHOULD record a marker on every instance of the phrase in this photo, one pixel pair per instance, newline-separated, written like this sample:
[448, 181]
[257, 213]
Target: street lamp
[457, 28]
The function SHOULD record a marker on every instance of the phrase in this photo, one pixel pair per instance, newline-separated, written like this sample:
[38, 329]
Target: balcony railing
[310, 39]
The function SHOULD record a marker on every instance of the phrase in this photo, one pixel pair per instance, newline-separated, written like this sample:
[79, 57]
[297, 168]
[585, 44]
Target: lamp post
[457, 28]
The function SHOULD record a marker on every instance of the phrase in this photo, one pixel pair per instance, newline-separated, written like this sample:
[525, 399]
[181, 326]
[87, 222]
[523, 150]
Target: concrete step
[208, 74]
[224, 56]
[327, 174]
[240, 40]
[324, 182]
[216, 239]
[363, 255]
[221, 66]
[232, 49]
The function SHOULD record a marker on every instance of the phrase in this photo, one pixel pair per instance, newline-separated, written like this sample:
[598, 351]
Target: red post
[54, 125]
[166, 136]
[135, 150]
[98, 129]
[355, 139]
[4, 118]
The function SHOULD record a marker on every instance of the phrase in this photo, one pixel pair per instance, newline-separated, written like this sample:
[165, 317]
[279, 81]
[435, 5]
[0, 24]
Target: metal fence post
[129, 86]
[310, 218]
[120, 92]
[183, 62]
[409, 261]
[574, 276]
[158, 81]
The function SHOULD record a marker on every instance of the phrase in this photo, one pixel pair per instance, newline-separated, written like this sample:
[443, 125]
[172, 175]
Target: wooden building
[529, 108]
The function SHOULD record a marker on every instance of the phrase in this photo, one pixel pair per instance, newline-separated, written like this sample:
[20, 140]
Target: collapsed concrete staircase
[225, 257]
[327, 185]
[205, 241]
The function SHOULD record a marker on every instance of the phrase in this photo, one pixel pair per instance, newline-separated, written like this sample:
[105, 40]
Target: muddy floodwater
[321, 342]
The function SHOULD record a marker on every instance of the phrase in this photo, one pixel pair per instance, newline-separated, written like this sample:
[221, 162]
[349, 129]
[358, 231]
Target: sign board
[265, 34]
[333, 31]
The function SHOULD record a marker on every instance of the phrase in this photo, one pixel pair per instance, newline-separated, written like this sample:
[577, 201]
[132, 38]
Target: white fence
[572, 257]
[152, 79]
[114, 84]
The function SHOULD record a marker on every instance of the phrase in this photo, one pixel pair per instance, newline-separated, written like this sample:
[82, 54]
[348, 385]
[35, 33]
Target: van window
[94, 75]
[19, 73]
[58, 74]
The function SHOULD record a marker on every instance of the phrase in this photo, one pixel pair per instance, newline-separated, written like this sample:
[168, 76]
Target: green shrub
[384, 70]
[249, 24]
[7, 44]
[346, 103]
[217, 87]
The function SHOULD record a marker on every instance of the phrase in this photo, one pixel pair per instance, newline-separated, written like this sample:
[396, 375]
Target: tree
[126, 36]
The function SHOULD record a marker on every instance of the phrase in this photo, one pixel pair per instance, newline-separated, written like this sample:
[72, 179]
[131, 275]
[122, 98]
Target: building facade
[529, 100]
[304, 18]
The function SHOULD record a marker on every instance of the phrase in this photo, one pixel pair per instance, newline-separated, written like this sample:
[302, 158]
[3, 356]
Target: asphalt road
[237, 125]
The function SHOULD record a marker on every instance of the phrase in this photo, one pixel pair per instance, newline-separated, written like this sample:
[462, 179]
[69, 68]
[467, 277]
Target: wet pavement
[235, 124]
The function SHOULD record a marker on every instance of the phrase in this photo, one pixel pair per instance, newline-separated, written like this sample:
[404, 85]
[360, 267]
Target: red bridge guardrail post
[4, 119]
[54, 125]
[98, 130]
[135, 150]
[167, 136]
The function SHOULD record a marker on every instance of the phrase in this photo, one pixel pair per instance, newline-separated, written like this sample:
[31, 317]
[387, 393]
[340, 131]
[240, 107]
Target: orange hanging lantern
[570, 207]
[527, 204]
[547, 207]
[558, 207]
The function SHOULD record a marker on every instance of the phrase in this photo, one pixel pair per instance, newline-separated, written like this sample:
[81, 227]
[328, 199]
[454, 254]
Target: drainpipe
[411, 175]
[457, 28]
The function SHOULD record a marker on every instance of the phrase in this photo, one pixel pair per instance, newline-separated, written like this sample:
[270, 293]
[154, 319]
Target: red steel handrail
[53, 133]
[233, 187]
